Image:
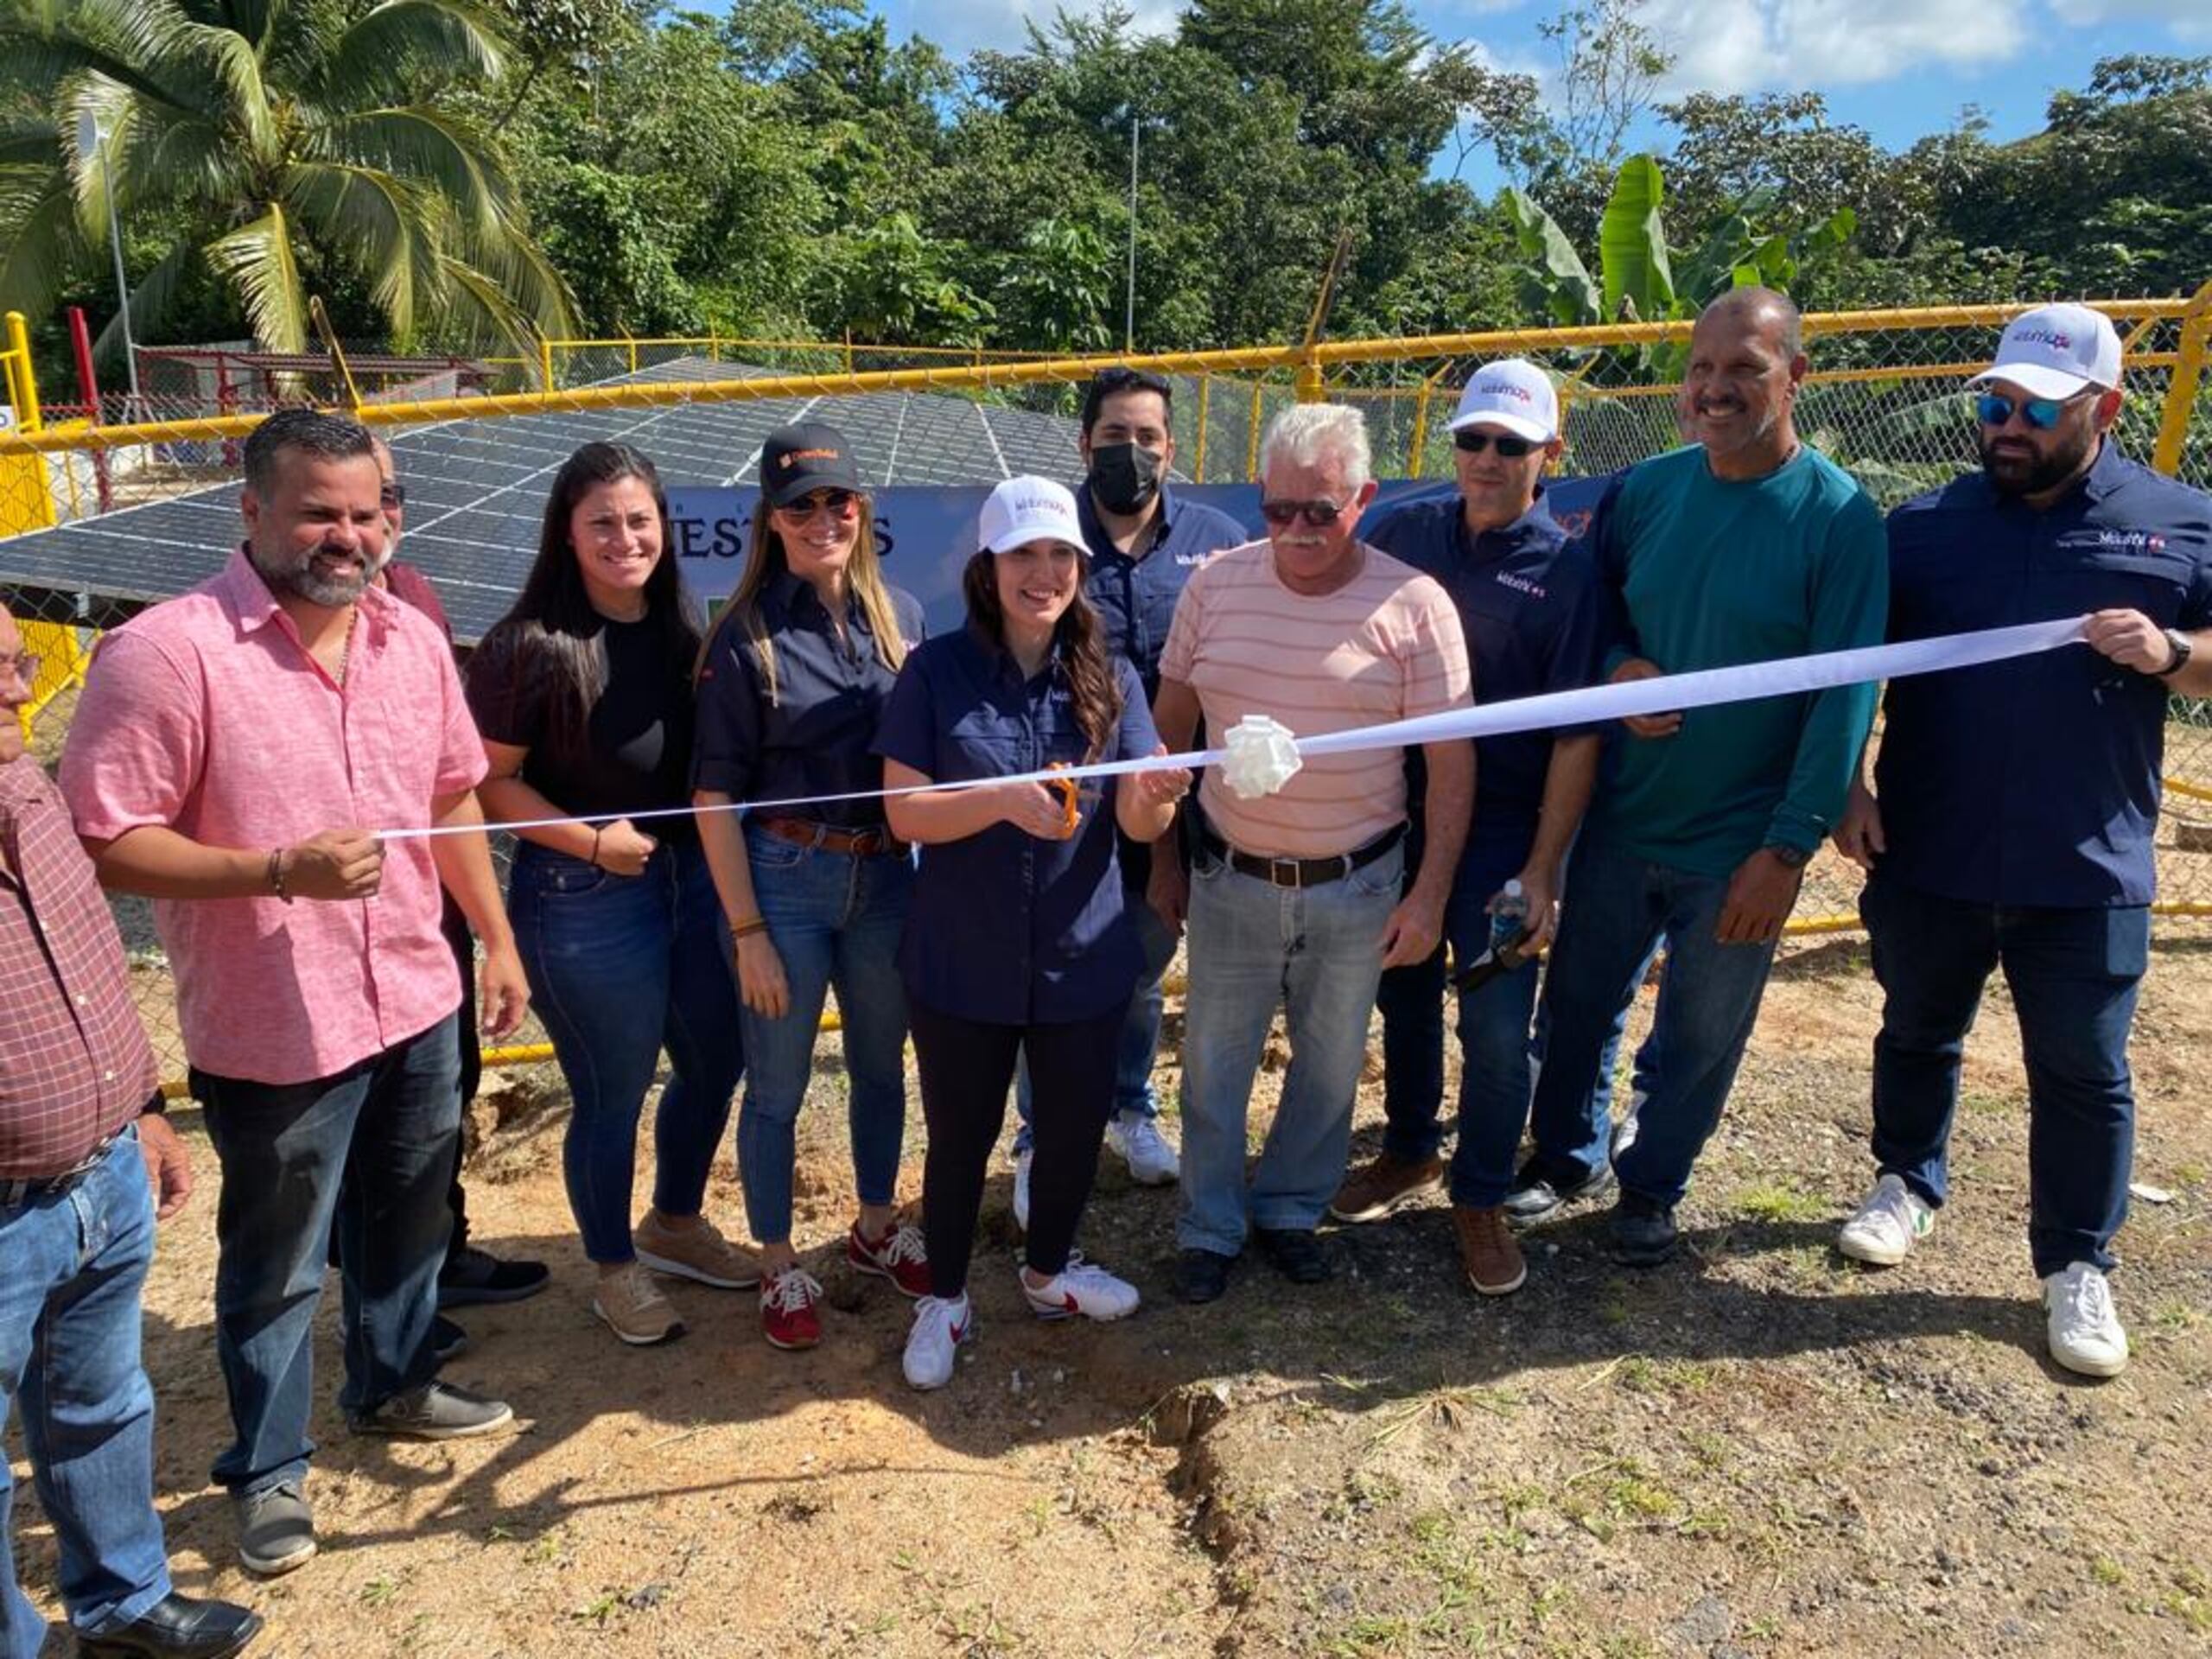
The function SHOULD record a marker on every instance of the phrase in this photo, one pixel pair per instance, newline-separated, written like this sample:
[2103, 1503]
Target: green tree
[291, 143]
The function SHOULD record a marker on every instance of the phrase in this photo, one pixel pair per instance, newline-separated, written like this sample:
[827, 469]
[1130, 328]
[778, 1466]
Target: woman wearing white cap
[1017, 940]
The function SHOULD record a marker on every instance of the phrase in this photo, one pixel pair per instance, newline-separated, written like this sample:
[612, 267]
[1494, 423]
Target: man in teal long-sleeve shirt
[1746, 547]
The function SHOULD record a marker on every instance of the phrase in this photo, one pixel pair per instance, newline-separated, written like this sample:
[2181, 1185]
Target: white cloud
[2190, 20]
[1738, 46]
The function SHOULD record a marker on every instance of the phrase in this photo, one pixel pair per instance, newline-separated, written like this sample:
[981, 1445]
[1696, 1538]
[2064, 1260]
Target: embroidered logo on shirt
[2120, 541]
[1520, 585]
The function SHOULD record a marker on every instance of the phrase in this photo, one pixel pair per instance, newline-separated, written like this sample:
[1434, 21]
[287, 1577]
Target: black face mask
[1123, 478]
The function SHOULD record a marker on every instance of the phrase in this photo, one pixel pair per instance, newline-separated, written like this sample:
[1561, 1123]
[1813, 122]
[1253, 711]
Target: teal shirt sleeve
[1850, 609]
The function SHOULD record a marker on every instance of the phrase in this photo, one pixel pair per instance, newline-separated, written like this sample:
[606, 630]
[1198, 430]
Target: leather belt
[854, 843]
[1300, 871]
[15, 1193]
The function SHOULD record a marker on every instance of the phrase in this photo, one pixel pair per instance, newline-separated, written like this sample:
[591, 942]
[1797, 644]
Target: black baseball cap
[797, 460]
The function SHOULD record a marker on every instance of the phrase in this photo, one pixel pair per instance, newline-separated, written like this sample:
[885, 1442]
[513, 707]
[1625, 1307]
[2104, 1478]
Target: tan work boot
[1488, 1250]
[633, 1307]
[1384, 1187]
[691, 1248]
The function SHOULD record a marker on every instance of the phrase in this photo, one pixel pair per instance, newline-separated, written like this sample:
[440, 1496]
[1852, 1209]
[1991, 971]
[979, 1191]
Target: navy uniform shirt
[814, 735]
[1135, 597]
[1006, 929]
[1528, 601]
[2035, 782]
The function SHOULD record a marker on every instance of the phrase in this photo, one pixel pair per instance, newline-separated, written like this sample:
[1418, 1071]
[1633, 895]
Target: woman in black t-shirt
[582, 696]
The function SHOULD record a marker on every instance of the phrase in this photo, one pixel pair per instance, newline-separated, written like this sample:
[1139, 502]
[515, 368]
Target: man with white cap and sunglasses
[2011, 818]
[1528, 602]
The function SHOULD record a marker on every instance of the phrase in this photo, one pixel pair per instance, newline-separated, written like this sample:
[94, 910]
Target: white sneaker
[1081, 1288]
[1151, 1159]
[2085, 1330]
[1891, 1221]
[1022, 1160]
[940, 1326]
[1624, 1130]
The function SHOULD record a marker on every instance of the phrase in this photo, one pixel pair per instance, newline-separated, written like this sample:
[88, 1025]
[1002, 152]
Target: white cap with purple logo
[2054, 350]
[1030, 509]
[1515, 394]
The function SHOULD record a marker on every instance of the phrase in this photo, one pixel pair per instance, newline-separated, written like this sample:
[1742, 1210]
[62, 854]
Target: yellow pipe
[2195, 791]
[1205, 395]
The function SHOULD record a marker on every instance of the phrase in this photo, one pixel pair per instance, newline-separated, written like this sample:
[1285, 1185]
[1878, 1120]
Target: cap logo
[2058, 342]
[1503, 388]
[792, 457]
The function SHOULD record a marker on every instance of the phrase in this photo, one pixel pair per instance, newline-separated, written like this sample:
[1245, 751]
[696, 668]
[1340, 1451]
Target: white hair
[1305, 433]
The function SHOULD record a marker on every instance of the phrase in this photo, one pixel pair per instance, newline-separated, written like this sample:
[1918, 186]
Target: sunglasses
[392, 495]
[1995, 408]
[26, 664]
[841, 503]
[1318, 514]
[1468, 442]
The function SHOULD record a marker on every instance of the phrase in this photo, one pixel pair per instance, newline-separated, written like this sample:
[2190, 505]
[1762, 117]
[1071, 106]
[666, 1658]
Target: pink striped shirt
[206, 715]
[1386, 645]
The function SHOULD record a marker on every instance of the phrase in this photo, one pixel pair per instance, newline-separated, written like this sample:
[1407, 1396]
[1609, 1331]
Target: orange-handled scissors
[1069, 791]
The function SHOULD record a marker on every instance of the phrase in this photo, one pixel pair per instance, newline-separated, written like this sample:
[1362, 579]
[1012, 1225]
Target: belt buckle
[1277, 865]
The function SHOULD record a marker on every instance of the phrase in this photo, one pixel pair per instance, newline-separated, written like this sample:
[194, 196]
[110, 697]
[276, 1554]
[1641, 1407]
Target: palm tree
[277, 135]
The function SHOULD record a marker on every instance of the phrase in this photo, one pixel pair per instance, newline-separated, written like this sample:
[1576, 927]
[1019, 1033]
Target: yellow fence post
[2181, 395]
[633, 344]
[1252, 449]
[1205, 397]
[25, 499]
[545, 364]
[1308, 387]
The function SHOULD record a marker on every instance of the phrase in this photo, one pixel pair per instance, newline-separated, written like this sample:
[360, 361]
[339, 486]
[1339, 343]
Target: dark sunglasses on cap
[1995, 408]
[1469, 442]
[1318, 514]
[842, 504]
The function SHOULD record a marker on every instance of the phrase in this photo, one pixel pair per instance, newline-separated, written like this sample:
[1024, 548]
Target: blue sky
[1900, 68]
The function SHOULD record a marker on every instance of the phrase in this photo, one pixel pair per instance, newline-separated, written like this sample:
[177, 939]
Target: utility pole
[91, 146]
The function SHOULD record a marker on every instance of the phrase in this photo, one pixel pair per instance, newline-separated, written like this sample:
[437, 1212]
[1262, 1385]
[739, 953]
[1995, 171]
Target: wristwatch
[2183, 652]
[1793, 857]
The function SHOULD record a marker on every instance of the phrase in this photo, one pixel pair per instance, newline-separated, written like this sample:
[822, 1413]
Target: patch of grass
[379, 1592]
[1981, 1103]
[1781, 1201]
[1711, 1451]
[2107, 1572]
[1640, 1374]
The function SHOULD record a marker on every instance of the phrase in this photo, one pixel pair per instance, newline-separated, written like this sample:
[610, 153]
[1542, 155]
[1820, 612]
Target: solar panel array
[476, 489]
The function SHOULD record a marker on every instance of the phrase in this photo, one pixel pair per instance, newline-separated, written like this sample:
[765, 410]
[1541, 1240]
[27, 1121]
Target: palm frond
[379, 223]
[430, 147]
[234, 62]
[151, 297]
[257, 261]
[38, 244]
[393, 49]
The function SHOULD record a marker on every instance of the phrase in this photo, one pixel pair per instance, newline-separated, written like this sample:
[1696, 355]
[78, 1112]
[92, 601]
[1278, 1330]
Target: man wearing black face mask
[2017, 803]
[1143, 544]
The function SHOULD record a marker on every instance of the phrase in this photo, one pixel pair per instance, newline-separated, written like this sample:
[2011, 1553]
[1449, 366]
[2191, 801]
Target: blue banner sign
[926, 534]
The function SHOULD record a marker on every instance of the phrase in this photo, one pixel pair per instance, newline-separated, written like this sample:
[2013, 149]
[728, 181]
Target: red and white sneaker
[899, 1256]
[789, 1318]
[1080, 1288]
[940, 1326]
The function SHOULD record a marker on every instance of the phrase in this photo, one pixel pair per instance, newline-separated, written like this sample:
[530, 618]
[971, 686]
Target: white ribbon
[1664, 693]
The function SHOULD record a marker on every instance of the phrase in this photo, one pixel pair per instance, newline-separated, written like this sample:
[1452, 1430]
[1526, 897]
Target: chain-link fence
[1886, 396]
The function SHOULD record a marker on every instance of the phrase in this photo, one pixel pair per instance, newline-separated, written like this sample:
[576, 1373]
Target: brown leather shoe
[1385, 1186]
[1488, 1250]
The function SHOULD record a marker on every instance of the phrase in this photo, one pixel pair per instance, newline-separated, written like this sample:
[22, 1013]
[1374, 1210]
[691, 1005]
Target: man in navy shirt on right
[2014, 803]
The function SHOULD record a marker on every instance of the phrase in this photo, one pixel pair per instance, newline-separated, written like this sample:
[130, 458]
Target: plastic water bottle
[1509, 928]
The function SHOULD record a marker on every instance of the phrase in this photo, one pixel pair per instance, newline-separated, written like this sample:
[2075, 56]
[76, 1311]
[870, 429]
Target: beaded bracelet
[275, 873]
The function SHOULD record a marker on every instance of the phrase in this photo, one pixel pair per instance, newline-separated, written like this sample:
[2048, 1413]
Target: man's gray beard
[303, 583]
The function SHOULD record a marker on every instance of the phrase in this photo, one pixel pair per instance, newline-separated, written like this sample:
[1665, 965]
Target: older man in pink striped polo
[1294, 898]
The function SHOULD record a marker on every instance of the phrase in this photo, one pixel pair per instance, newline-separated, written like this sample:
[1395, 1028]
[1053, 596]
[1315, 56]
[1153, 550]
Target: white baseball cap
[1515, 394]
[2054, 350]
[1030, 509]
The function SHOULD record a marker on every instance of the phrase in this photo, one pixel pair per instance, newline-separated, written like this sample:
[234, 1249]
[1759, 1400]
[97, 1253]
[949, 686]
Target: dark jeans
[384, 1132]
[1616, 907]
[2074, 975]
[965, 1066]
[621, 966]
[72, 1266]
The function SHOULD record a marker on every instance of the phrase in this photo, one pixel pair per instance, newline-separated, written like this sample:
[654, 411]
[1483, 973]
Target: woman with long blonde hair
[791, 683]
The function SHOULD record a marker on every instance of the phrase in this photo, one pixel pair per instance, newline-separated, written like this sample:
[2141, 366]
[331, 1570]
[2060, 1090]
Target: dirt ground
[1759, 1450]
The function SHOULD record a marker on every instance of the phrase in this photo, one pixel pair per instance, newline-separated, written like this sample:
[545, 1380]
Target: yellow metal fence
[1884, 398]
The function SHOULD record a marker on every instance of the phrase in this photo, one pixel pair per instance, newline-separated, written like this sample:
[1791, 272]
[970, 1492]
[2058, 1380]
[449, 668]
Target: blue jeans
[1254, 948]
[834, 919]
[619, 966]
[1140, 1043]
[384, 1130]
[72, 1266]
[2074, 975]
[1616, 906]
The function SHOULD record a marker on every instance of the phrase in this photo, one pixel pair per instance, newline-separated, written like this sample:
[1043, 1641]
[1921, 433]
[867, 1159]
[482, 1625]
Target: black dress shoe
[1297, 1253]
[176, 1627]
[1642, 1230]
[1202, 1275]
[472, 1277]
[1541, 1192]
